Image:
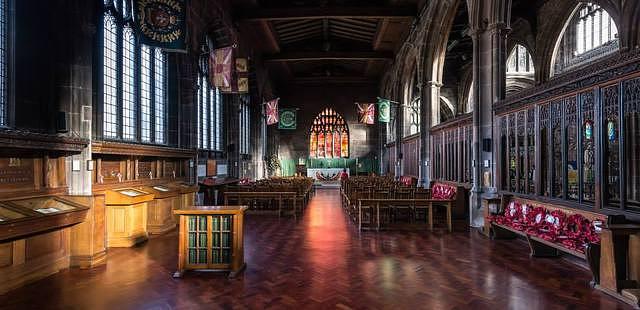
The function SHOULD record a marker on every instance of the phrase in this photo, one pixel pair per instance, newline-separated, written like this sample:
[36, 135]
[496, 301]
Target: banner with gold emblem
[161, 23]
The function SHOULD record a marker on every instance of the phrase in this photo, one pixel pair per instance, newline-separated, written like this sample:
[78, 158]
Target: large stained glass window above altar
[329, 136]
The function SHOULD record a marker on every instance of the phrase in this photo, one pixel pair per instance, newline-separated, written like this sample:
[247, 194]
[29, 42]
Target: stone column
[489, 63]
[430, 97]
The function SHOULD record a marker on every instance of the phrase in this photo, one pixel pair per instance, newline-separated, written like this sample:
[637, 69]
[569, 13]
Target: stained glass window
[588, 147]
[329, 136]
[504, 154]
[4, 61]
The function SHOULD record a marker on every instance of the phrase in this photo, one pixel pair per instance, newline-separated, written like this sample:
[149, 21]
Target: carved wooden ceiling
[344, 41]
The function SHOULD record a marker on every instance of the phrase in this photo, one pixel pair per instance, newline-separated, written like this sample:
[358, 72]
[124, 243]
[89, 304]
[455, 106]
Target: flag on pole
[366, 113]
[272, 111]
[384, 110]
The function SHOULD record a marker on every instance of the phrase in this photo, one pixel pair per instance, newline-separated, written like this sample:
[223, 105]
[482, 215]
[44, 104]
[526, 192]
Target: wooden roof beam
[272, 14]
[310, 56]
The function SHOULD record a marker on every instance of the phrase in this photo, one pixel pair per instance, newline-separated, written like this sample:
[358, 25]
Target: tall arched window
[520, 70]
[4, 61]
[329, 136]
[412, 109]
[134, 106]
[520, 61]
[589, 34]
[209, 110]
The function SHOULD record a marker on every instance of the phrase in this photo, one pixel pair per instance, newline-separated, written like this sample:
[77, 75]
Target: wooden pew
[548, 231]
[373, 207]
[265, 199]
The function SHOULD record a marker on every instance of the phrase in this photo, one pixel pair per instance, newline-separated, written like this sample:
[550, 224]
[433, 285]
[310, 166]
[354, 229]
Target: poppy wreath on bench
[443, 191]
[511, 214]
[553, 226]
[579, 231]
[535, 220]
[522, 222]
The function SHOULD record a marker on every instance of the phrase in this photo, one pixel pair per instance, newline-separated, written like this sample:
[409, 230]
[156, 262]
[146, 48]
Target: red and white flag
[366, 113]
[272, 111]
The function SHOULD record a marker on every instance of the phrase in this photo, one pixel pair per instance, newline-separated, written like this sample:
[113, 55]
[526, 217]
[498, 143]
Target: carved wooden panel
[16, 171]
[144, 169]
[111, 171]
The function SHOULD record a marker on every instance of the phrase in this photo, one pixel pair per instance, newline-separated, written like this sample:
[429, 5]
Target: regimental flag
[384, 110]
[366, 113]
[221, 63]
[288, 120]
[161, 23]
[271, 108]
[230, 74]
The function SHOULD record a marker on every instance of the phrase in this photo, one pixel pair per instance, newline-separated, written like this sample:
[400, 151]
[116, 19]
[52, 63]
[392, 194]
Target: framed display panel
[211, 238]
[24, 217]
[127, 196]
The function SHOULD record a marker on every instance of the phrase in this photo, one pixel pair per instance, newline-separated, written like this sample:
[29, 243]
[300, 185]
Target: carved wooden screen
[329, 136]
[556, 144]
[632, 143]
[531, 150]
[572, 147]
[588, 146]
[521, 160]
[611, 125]
[544, 149]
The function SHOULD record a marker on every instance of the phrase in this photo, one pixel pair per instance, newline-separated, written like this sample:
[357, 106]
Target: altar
[325, 175]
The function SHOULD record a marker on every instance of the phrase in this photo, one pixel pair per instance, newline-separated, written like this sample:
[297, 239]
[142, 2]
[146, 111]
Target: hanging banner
[366, 113]
[288, 120]
[161, 23]
[271, 111]
[230, 74]
[221, 62]
[384, 110]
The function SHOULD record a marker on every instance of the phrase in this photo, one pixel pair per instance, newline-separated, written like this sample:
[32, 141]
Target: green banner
[161, 23]
[384, 110]
[288, 119]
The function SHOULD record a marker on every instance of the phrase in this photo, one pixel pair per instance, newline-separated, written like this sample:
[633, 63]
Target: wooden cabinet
[160, 218]
[126, 216]
[187, 193]
[211, 238]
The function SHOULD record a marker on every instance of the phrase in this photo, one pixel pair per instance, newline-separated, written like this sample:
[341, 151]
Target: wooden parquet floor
[323, 262]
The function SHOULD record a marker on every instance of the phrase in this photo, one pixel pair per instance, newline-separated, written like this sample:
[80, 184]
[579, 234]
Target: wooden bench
[374, 207]
[265, 200]
[549, 229]
[460, 208]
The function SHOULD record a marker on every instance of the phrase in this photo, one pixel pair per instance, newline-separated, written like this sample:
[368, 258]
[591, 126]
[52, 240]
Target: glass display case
[127, 216]
[25, 217]
[160, 218]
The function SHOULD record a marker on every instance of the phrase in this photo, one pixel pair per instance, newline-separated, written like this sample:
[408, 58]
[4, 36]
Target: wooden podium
[211, 238]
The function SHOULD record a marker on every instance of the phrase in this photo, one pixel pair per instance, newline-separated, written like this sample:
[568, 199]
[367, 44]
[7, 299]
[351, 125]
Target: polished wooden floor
[323, 262]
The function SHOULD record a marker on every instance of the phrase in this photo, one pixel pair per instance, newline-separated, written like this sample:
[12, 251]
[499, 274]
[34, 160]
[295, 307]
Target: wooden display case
[211, 238]
[24, 217]
[126, 216]
[160, 218]
[187, 193]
